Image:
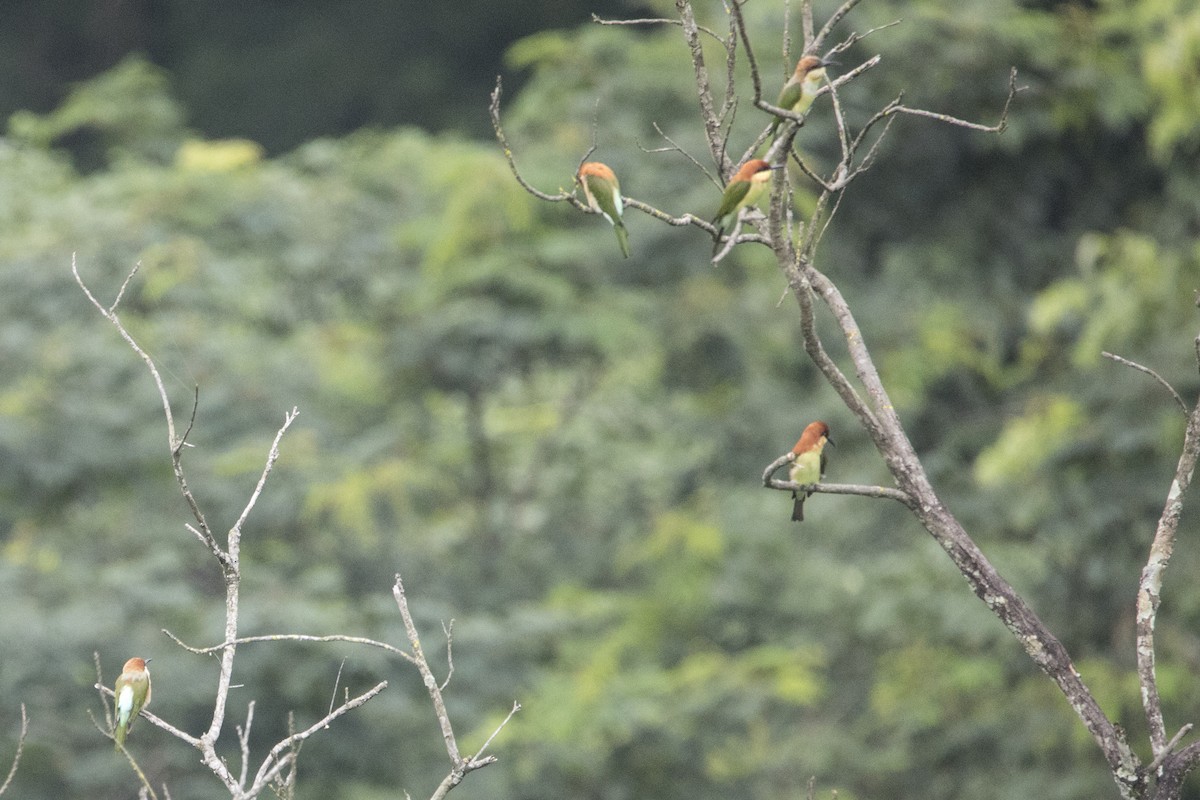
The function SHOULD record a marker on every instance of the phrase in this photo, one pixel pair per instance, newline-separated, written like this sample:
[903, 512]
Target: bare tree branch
[962, 123]
[292, 637]
[1161, 380]
[448, 630]
[243, 736]
[174, 442]
[431, 683]
[475, 762]
[771, 482]
[655, 21]
[837, 16]
[708, 115]
[12, 770]
[459, 766]
[278, 758]
[494, 110]
[1149, 594]
[676, 148]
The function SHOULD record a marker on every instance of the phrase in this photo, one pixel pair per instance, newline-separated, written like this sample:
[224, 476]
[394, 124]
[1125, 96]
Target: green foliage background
[561, 451]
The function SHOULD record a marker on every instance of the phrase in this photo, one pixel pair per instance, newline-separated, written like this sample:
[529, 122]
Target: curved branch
[494, 111]
[1161, 380]
[290, 637]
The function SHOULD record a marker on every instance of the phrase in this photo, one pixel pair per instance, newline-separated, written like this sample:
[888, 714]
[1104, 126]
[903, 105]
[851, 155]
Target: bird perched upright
[801, 89]
[744, 189]
[808, 463]
[603, 194]
[130, 695]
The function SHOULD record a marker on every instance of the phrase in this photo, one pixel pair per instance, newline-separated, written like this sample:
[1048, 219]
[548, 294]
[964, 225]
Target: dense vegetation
[562, 450]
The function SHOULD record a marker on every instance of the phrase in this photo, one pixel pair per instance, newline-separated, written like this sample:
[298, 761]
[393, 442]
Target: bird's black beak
[829, 440]
[825, 62]
[147, 660]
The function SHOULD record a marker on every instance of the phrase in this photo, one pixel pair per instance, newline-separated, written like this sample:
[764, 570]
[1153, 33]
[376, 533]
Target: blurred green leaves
[562, 452]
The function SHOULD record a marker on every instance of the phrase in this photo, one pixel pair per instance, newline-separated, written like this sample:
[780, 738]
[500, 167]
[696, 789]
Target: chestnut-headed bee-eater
[744, 189]
[603, 194]
[801, 89]
[130, 695]
[808, 463]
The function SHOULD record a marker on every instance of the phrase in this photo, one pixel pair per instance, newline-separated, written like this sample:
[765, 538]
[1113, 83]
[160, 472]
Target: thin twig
[477, 761]
[1141, 368]
[856, 37]
[806, 22]
[147, 789]
[786, 38]
[1153, 766]
[276, 760]
[449, 631]
[431, 684]
[654, 21]
[999, 127]
[712, 124]
[676, 148]
[12, 771]
[243, 734]
[478, 757]
[191, 421]
[494, 110]
[827, 28]
[730, 104]
[291, 637]
[337, 679]
[272, 457]
[174, 442]
[735, 10]
[124, 285]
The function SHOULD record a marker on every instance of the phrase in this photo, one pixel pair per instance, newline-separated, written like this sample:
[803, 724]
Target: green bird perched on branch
[603, 194]
[130, 695]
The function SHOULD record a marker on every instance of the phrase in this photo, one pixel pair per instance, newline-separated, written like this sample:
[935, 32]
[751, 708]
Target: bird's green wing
[607, 197]
[790, 94]
[734, 194]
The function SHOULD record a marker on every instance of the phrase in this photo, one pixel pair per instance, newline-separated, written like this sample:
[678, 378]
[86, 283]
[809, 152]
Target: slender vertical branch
[708, 114]
[12, 770]
[1149, 594]
[806, 23]
[459, 766]
[431, 683]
